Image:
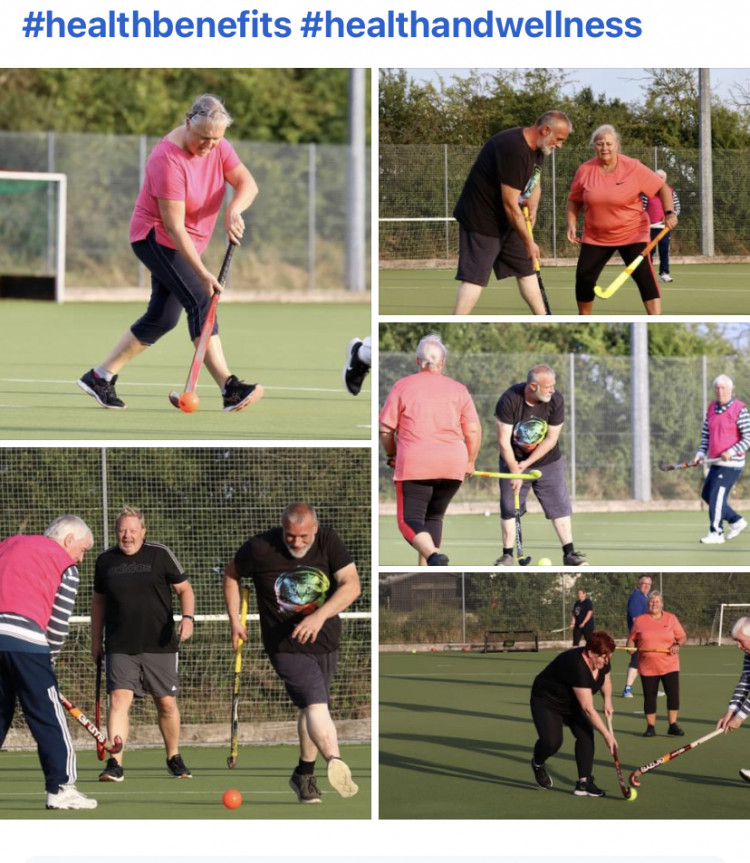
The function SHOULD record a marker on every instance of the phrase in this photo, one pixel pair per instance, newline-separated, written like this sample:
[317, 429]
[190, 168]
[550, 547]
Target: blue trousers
[663, 247]
[716, 488]
[30, 679]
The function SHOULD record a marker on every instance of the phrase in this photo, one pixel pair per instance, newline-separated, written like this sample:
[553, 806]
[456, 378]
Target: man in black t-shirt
[303, 577]
[493, 233]
[529, 419]
[132, 608]
[582, 617]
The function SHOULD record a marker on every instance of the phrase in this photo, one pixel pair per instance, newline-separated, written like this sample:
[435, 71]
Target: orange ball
[188, 402]
[232, 799]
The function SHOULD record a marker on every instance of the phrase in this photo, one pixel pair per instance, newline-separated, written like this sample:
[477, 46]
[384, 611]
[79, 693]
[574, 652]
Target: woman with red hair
[563, 694]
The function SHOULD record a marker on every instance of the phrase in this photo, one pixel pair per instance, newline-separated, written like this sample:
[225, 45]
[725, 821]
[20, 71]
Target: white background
[675, 34]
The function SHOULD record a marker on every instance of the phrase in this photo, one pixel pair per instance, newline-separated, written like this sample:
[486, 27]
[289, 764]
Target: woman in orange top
[608, 188]
[431, 433]
[658, 636]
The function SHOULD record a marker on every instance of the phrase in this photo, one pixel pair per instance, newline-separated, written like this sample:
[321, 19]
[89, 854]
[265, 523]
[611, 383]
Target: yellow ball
[414, 651]
[633, 795]
[544, 561]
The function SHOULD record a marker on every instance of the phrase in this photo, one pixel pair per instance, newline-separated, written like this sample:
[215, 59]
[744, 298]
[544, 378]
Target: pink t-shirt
[427, 411]
[661, 634]
[174, 175]
[613, 213]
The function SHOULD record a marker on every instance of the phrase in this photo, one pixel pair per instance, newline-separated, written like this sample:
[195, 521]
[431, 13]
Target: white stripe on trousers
[61, 713]
[716, 524]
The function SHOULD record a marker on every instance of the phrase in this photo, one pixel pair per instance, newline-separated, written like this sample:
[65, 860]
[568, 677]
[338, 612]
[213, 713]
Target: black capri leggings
[591, 262]
[421, 505]
[549, 726]
[174, 286]
[586, 632]
[671, 684]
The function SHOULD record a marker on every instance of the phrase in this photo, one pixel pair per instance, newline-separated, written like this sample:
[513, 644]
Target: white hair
[64, 525]
[661, 173]
[431, 352]
[741, 627]
[723, 379]
[606, 129]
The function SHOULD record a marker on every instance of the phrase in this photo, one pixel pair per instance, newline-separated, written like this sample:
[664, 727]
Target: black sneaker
[305, 787]
[575, 558]
[103, 391]
[650, 731]
[675, 730]
[238, 395]
[113, 772]
[177, 769]
[437, 559]
[355, 371]
[505, 560]
[543, 779]
[587, 788]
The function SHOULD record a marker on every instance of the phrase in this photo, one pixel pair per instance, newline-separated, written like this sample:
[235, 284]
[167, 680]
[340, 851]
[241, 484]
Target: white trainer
[736, 528]
[69, 797]
[340, 778]
[712, 538]
[665, 277]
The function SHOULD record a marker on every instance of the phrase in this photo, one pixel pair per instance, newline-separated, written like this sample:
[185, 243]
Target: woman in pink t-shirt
[431, 434]
[173, 220]
[608, 189]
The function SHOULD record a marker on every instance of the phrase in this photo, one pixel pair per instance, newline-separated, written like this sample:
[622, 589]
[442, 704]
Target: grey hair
[606, 129]
[431, 352]
[297, 512]
[67, 524]
[660, 172]
[723, 379]
[129, 512]
[535, 371]
[654, 594]
[553, 118]
[741, 627]
[210, 111]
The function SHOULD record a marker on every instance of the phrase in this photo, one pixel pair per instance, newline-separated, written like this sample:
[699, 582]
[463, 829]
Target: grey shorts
[479, 255]
[307, 676]
[550, 489]
[143, 673]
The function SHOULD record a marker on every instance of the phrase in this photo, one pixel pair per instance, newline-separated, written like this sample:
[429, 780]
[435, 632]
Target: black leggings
[549, 726]
[421, 505]
[591, 262]
[671, 684]
[174, 286]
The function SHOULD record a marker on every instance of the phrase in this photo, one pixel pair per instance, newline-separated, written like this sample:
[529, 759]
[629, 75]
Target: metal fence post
[311, 190]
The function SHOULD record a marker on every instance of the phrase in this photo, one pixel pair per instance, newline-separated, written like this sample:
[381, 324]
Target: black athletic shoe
[587, 788]
[575, 558]
[238, 395]
[177, 769]
[437, 559]
[355, 371]
[113, 772]
[675, 730]
[543, 779]
[650, 731]
[103, 391]
[305, 787]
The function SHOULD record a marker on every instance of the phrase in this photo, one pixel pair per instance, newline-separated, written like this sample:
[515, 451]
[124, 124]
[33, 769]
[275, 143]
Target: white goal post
[59, 206]
[731, 617]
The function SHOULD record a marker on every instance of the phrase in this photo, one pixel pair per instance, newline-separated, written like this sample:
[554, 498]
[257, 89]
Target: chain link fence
[597, 439]
[296, 227]
[456, 609]
[423, 183]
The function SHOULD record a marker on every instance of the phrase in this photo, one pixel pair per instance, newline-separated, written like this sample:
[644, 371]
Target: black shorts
[592, 260]
[421, 505]
[479, 255]
[306, 676]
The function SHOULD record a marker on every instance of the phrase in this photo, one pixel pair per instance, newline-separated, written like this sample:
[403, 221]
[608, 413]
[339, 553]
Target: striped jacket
[740, 700]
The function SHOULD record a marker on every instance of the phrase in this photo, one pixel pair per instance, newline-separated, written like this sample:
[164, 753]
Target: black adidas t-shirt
[506, 159]
[289, 588]
[567, 671]
[137, 588]
[513, 410]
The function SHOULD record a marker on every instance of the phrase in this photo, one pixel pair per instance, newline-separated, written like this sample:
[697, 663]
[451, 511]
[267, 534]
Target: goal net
[32, 229]
[203, 503]
[726, 614]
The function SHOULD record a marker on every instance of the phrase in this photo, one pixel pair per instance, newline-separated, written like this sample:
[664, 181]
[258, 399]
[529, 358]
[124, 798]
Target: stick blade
[116, 745]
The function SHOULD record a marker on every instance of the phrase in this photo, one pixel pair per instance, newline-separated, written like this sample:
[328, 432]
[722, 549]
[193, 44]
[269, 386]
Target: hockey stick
[644, 650]
[620, 778]
[532, 474]
[234, 747]
[112, 747]
[652, 765]
[189, 404]
[686, 464]
[523, 202]
[522, 561]
[606, 293]
[101, 752]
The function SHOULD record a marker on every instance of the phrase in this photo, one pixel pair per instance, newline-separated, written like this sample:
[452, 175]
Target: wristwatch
[669, 213]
